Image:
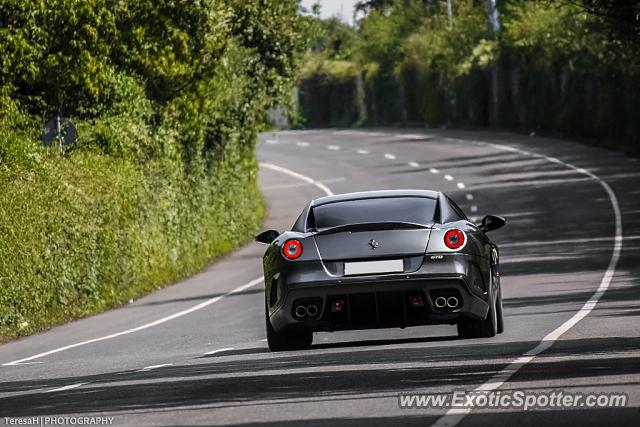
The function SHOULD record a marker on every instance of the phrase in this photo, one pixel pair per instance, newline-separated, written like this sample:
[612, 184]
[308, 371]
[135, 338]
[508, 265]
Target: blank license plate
[373, 267]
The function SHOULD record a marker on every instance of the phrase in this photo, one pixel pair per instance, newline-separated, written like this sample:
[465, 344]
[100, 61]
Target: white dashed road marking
[434, 170]
[410, 136]
[389, 156]
[448, 177]
[414, 164]
[333, 147]
[469, 196]
[461, 185]
[302, 144]
[363, 152]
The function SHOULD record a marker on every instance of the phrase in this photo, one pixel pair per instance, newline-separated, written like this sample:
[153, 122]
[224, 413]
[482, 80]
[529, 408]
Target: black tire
[500, 319]
[486, 328]
[287, 340]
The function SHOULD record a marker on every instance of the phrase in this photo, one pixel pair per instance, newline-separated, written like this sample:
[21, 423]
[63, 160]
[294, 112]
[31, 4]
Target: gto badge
[373, 244]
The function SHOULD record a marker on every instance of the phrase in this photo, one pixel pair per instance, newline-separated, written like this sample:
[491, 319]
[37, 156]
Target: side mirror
[267, 236]
[492, 222]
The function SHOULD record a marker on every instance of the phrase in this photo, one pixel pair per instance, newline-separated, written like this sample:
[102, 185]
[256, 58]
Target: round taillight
[454, 239]
[292, 249]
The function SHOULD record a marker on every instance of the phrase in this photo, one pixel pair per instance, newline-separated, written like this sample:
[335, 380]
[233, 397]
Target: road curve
[194, 353]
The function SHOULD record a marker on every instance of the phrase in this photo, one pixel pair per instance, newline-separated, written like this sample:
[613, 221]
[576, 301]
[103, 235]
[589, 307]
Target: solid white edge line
[26, 363]
[165, 319]
[454, 415]
[67, 387]
[152, 367]
[220, 350]
[300, 184]
[197, 307]
[305, 178]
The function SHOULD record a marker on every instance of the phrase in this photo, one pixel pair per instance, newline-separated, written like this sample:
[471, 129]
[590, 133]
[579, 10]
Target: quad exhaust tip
[312, 310]
[301, 311]
[447, 302]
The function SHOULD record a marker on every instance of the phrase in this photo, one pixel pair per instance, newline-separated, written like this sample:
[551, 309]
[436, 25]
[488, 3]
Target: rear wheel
[500, 319]
[471, 328]
[287, 340]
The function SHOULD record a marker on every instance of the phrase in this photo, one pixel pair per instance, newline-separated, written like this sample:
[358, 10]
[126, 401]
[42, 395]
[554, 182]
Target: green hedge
[168, 98]
[86, 231]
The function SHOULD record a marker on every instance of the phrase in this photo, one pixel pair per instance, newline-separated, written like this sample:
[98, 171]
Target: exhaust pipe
[301, 311]
[312, 310]
[452, 302]
[441, 302]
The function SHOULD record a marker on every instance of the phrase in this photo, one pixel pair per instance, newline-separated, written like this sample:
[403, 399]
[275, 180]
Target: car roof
[380, 194]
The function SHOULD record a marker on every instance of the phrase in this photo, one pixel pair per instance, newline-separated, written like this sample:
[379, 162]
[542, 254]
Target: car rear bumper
[394, 300]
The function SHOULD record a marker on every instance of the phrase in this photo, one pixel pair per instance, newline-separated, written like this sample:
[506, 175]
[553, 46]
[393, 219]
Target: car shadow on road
[383, 342]
[321, 374]
[336, 345]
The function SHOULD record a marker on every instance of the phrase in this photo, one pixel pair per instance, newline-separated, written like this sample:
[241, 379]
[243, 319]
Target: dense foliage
[167, 97]
[562, 67]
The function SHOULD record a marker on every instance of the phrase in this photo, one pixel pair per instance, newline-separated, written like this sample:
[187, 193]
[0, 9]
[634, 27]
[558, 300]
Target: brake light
[454, 239]
[292, 249]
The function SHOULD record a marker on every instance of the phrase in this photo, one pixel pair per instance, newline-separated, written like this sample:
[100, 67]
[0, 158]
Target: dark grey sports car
[381, 259]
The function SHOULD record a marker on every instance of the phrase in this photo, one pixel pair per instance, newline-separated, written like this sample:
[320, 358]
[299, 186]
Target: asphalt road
[195, 353]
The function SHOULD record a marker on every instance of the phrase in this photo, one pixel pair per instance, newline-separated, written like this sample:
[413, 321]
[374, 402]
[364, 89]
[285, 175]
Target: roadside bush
[560, 69]
[167, 98]
[89, 231]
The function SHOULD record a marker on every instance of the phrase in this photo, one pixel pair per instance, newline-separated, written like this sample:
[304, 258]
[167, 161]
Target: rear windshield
[417, 210]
